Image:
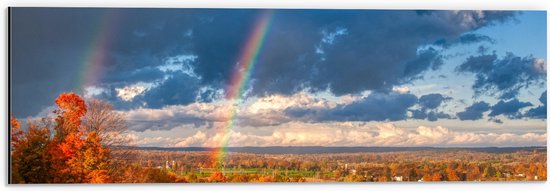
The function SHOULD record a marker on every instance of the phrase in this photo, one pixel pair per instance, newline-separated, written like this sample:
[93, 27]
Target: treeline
[352, 167]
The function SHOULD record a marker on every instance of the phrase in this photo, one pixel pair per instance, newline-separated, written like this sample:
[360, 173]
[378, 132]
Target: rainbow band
[94, 58]
[241, 77]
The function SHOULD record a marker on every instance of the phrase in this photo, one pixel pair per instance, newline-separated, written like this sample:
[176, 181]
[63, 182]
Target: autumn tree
[436, 176]
[15, 137]
[413, 176]
[108, 124]
[16, 132]
[354, 178]
[541, 172]
[239, 178]
[489, 172]
[96, 159]
[68, 139]
[30, 158]
[451, 174]
[192, 178]
[217, 177]
[474, 173]
[109, 128]
[426, 177]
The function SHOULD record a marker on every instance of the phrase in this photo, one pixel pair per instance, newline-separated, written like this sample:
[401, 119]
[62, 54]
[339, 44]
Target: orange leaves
[99, 176]
[68, 147]
[239, 178]
[266, 179]
[451, 174]
[30, 157]
[71, 107]
[15, 123]
[95, 155]
[436, 176]
[15, 131]
[217, 177]
[71, 145]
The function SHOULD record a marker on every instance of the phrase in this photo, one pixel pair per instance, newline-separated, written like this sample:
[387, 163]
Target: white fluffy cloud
[265, 111]
[263, 122]
[128, 93]
[402, 90]
[345, 134]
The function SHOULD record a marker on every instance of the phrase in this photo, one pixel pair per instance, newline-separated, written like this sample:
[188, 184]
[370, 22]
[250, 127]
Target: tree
[30, 158]
[489, 172]
[71, 109]
[16, 132]
[239, 178]
[109, 125]
[541, 171]
[105, 129]
[426, 177]
[451, 174]
[436, 176]
[15, 138]
[413, 176]
[354, 178]
[68, 143]
[217, 177]
[266, 179]
[474, 173]
[192, 178]
[96, 159]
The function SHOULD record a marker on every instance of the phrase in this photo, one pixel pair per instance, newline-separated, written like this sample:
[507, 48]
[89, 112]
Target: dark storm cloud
[139, 75]
[466, 39]
[142, 123]
[432, 101]
[509, 109]
[496, 120]
[179, 89]
[474, 112]
[426, 59]
[475, 38]
[429, 115]
[379, 49]
[51, 45]
[375, 107]
[540, 111]
[505, 76]
[428, 107]
[43, 55]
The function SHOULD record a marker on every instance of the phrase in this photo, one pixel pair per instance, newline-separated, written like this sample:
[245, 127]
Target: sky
[253, 77]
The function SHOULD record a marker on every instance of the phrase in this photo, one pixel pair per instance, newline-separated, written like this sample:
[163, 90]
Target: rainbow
[94, 58]
[239, 80]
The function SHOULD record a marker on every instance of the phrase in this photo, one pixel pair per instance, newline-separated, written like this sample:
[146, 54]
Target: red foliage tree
[78, 153]
[15, 131]
[217, 177]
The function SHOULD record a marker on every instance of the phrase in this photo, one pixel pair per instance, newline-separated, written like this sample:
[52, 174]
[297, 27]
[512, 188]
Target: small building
[520, 175]
[397, 178]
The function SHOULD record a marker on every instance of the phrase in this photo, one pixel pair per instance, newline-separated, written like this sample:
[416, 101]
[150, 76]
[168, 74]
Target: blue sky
[322, 77]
